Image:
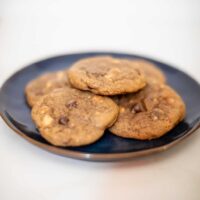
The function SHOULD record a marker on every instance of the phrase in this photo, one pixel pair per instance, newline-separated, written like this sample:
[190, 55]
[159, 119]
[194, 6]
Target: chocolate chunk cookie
[70, 117]
[106, 75]
[45, 84]
[149, 113]
[152, 73]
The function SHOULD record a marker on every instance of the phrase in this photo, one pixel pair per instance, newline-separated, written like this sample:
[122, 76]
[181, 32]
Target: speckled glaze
[16, 113]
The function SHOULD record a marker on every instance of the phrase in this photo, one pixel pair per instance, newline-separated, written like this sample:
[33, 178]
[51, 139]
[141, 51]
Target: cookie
[45, 84]
[106, 75]
[152, 73]
[149, 113]
[70, 117]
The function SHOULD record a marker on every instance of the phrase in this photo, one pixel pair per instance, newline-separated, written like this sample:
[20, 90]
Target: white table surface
[34, 29]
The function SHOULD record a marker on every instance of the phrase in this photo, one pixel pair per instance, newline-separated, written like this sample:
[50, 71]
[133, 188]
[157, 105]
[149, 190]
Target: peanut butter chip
[63, 120]
[60, 75]
[47, 120]
[49, 84]
[171, 100]
[44, 109]
[155, 100]
[96, 99]
[154, 117]
[122, 109]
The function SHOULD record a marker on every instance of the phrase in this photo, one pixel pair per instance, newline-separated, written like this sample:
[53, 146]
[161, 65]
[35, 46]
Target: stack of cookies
[73, 107]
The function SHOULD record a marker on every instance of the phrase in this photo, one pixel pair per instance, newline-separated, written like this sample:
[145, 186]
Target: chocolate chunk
[72, 104]
[63, 120]
[137, 108]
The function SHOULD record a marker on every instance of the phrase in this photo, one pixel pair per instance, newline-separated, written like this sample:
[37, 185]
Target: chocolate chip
[72, 104]
[63, 120]
[137, 108]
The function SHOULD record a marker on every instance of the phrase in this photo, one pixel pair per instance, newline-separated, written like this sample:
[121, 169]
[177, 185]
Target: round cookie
[45, 84]
[70, 117]
[152, 73]
[149, 113]
[106, 75]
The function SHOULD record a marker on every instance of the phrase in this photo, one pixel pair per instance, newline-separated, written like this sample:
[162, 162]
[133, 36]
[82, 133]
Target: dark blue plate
[16, 113]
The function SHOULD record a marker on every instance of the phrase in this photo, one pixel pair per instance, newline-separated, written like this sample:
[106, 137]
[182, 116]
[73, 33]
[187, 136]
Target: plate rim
[95, 156]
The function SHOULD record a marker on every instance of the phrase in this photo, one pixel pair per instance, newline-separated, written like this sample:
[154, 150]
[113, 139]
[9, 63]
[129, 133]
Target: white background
[35, 29]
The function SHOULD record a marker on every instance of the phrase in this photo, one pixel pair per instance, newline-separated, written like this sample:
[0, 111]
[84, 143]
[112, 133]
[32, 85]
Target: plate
[16, 113]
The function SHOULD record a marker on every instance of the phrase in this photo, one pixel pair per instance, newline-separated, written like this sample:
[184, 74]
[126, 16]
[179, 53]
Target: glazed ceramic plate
[17, 114]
